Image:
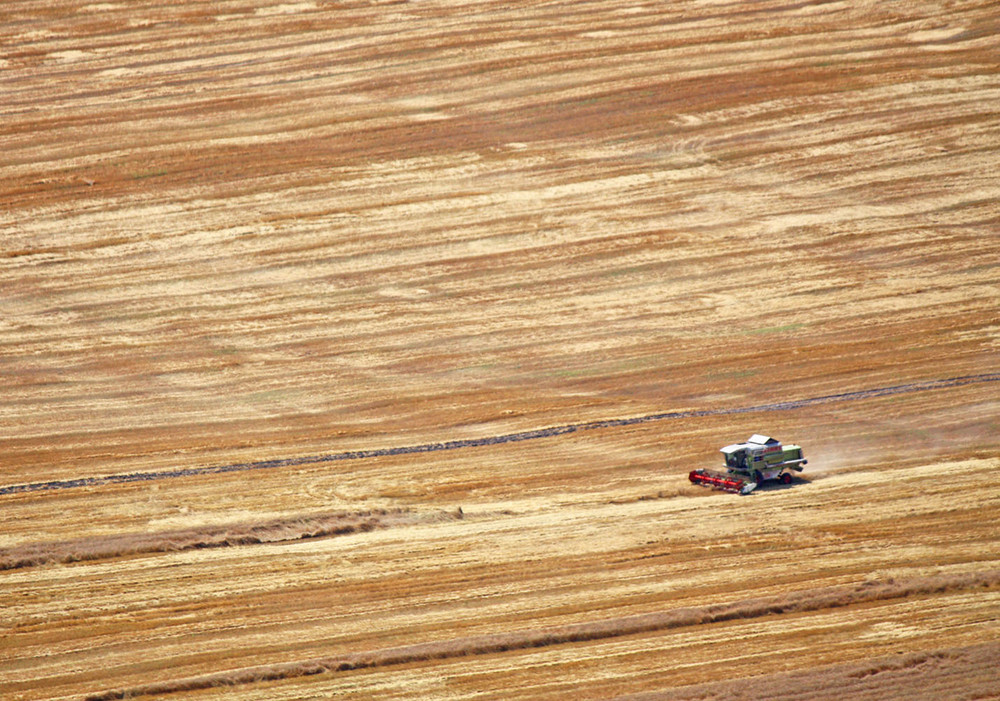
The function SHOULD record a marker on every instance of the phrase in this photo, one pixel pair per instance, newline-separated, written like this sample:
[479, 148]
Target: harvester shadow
[775, 486]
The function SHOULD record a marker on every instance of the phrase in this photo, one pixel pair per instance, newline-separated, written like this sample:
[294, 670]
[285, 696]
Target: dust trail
[223, 536]
[807, 600]
[534, 434]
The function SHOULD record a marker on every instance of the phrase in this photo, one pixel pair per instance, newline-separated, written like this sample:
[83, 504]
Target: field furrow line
[797, 602]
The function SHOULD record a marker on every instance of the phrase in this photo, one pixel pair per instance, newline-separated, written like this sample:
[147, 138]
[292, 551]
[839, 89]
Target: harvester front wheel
[758, 477]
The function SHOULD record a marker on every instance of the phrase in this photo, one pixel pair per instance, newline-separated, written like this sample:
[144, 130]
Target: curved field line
[795, 602]
[534, 434]
[283, 530]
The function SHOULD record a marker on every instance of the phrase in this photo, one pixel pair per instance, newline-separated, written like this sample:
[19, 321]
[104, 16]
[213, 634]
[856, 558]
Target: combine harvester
[748, 464]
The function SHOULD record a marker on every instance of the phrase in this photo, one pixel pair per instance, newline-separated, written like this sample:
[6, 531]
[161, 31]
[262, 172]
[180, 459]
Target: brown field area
[362, 349]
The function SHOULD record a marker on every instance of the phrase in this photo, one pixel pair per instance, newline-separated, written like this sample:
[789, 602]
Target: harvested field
[362, 350]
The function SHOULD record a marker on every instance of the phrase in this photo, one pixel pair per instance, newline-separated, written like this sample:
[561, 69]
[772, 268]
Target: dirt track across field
[426, 309]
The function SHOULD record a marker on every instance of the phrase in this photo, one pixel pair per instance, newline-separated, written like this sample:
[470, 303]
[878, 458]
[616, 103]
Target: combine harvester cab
[748, 464]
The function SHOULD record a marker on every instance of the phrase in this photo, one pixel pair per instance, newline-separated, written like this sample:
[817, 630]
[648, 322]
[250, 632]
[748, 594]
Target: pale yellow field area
[362, 349]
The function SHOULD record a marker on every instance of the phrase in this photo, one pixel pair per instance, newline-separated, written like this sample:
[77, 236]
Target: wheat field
[362, 349]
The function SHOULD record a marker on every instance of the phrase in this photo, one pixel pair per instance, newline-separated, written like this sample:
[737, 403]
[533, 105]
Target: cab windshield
[736, 458]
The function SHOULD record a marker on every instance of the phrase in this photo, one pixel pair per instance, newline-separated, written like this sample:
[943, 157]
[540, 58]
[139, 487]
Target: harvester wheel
[758, 477]
[786, 478]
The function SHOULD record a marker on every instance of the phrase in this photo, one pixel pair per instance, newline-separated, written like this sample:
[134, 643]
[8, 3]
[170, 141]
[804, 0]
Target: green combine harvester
[749, 464]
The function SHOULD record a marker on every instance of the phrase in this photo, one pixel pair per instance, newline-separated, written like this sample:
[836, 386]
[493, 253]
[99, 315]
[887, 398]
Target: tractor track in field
[856, 395]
